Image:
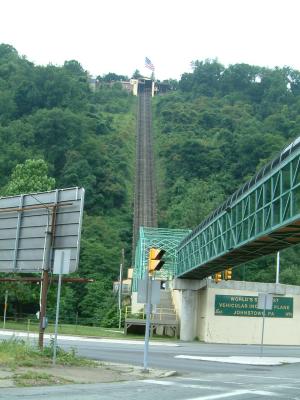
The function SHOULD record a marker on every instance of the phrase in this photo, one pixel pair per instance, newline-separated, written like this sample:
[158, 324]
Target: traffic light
[155, 259]
[228, 274]
[218, 277]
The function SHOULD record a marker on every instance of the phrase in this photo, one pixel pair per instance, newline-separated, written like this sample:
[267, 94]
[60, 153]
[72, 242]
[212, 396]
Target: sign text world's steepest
[246, 306]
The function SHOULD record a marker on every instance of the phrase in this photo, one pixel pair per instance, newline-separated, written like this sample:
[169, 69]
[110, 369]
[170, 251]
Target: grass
[16, 353]
[80, 330]
[67, 329]
[32, 378]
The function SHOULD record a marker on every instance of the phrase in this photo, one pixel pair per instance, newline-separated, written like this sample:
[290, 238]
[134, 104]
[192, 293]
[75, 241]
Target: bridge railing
[272, 203]
[158, 313]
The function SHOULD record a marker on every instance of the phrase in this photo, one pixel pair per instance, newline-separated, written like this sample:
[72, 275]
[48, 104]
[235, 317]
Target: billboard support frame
[48, 249]
[44, 286]
[32, 227]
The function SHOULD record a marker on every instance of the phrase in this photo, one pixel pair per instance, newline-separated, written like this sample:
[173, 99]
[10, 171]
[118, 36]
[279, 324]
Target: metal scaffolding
[262, 217]
[167, 239]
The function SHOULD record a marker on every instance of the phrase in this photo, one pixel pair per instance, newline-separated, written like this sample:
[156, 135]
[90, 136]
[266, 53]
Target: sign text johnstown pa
[246, 306]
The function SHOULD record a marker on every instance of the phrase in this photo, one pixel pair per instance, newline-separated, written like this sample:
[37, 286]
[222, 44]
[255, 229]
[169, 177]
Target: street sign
[62, 260]
[33, 226]
[265, 301]
[142, 291]
[246, 306]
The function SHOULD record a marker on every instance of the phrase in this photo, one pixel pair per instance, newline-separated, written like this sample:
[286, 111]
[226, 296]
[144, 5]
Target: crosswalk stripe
[234, 393]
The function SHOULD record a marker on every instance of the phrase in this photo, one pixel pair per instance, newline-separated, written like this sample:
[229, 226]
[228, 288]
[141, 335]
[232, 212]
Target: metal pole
[147, 327]
[76, 321]
[44, 289]
[278, 267]
[263, 327]
[121, 289]
[120, 296]
[57, 308]
[28, 329]
[5, 308]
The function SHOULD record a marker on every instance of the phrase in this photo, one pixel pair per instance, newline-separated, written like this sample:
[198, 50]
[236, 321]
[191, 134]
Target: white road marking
[234, 393]
[184, 385]
[269, 377]
[245, 360]
[191, 386]
[286, 387]
[155, 382]
[206, 380]
[233, 383]
[194, 379]
[86, 339]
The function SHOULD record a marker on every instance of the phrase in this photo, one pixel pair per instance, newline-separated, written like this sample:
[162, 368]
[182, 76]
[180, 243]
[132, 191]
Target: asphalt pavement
[196, 379]
[193, 387]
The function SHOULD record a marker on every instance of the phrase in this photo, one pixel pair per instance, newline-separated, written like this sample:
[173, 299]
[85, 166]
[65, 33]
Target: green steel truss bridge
[167, 239]
[260, 218]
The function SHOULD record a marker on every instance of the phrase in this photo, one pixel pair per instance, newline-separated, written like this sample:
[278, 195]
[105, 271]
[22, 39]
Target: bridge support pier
[189, 307]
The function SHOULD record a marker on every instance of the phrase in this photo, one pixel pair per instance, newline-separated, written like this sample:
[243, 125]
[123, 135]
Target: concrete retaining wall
[210, 327]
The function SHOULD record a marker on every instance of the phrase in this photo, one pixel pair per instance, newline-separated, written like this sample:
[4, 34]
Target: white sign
[142, 290]
[62, 260]
[265, 301]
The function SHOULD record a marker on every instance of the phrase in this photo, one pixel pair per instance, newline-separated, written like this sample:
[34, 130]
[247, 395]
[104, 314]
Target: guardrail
[158, 313]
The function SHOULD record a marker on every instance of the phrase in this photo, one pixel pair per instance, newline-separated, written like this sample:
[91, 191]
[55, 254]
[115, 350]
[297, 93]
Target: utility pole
[121, 287]
[44, 288]
[5, 308]
[43, 306]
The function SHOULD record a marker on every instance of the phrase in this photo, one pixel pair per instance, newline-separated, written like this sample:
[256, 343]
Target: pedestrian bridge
[260, 218]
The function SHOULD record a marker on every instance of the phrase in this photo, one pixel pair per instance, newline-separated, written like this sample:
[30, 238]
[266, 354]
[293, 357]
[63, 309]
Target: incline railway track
[144, 196]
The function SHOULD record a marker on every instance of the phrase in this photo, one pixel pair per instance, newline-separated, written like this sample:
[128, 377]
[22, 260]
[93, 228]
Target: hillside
[86, 139]
[213, 134]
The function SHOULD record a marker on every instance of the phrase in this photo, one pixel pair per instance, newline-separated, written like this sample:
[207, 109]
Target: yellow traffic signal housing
[218, 277]
[155, 259]
[228, 274]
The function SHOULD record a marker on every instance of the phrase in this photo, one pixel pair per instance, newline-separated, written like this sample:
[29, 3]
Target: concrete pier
[189, 311]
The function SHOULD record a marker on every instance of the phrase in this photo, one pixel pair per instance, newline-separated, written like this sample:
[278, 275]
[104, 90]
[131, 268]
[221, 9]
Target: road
[239, 386]
[197, 380]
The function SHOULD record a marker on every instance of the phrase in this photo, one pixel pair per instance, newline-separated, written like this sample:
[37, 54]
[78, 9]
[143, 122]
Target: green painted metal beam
[167, 239]
[260, 218]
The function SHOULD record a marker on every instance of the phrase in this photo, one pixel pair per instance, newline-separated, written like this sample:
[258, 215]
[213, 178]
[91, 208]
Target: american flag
[148, 64]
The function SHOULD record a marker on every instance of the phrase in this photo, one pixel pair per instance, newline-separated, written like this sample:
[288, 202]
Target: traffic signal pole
[155, 263]
[147, 327]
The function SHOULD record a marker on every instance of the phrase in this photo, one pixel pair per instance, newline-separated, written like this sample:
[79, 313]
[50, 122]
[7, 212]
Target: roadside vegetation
[55, 131]
[19, 353]
[25, 362]
[65, 329]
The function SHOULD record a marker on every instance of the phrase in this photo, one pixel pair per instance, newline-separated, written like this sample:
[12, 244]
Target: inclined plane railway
[144, 196]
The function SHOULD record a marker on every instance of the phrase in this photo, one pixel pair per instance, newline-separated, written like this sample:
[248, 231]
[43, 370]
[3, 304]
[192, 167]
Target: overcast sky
[116, 35]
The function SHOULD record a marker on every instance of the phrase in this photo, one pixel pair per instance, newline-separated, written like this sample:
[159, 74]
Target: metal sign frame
[34, 225]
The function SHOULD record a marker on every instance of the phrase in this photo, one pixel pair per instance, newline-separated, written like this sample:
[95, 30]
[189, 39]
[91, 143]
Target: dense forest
[56, 132]
[212, 132]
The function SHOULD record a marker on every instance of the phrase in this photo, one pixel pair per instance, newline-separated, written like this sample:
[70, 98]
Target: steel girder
[263, 220]
[167, 239]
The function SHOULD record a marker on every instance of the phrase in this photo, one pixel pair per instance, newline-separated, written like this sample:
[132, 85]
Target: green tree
[136, 74]
[32, 176]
